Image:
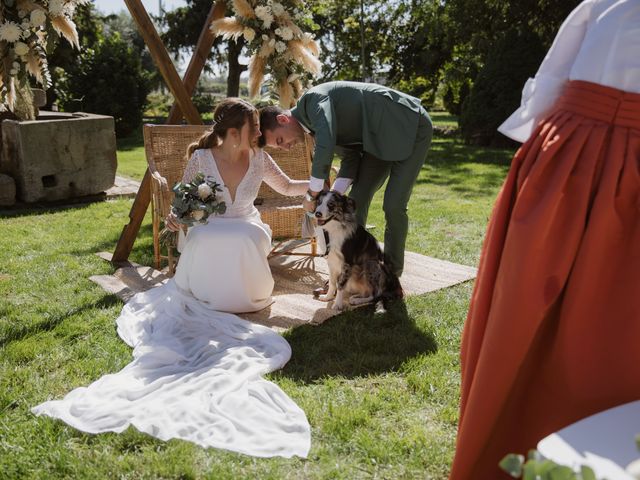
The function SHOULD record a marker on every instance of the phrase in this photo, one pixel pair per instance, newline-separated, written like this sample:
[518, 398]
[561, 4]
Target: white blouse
[599, 42]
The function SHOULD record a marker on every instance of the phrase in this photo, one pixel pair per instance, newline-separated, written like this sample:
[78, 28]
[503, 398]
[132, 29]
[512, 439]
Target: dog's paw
[326, 298]
[357, 300]
[340, 306]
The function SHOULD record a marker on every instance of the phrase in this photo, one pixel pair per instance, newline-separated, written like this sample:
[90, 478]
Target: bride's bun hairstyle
[231, 112]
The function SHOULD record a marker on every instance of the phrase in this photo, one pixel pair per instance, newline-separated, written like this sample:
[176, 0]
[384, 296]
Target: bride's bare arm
[280, 182]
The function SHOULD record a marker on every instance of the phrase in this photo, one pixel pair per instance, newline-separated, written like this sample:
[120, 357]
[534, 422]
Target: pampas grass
[227, 28]
[67, 29]
[256, 74]
[243, 9]
[264, 30]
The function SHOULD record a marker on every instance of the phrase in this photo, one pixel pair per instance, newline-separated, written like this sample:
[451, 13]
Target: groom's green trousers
[402, 175]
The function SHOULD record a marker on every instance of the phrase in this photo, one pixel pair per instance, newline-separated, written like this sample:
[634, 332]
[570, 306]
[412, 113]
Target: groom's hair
[268, 121]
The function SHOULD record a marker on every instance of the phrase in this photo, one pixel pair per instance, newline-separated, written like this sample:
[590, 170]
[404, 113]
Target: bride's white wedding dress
[197, 372]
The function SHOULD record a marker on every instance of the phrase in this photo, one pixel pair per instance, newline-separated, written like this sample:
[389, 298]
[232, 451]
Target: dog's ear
[350, 203]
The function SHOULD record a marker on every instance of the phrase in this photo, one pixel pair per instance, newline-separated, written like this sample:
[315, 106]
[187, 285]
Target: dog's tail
[391, 290]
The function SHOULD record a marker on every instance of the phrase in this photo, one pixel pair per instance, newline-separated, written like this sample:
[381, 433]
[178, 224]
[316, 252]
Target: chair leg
[155, 223]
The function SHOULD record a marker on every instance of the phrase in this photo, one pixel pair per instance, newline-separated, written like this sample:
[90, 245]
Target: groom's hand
[310, 201]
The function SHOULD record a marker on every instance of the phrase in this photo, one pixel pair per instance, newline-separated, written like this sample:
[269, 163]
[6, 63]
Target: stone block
[7, 190]
[59, 156]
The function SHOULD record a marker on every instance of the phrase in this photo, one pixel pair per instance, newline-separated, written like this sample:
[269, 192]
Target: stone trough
[59, 155]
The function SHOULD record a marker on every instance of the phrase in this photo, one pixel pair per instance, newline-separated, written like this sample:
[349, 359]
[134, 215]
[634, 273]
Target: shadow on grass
[39, 208]
[356, 343]
[21, 331]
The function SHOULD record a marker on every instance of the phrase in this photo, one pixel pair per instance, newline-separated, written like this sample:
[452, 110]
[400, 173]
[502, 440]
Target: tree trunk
[235, 68]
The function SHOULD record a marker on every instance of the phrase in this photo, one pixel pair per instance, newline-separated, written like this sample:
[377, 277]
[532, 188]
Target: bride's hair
[231, 112]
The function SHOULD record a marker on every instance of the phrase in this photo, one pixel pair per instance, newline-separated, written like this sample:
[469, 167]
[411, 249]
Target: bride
[197, 369]
[225, 262]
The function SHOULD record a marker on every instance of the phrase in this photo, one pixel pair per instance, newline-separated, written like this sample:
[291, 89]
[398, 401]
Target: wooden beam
[136, 215]
[163, 61]
[199, 58]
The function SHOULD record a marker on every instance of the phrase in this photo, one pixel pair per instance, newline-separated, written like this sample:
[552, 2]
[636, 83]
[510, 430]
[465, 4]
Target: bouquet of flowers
[193, 203]
[25, 28]
[277, 44]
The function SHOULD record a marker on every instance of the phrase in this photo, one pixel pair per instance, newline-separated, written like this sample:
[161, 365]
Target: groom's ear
[283, 119]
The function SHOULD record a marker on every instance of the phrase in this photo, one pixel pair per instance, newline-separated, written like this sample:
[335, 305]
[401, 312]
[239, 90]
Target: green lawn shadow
[355, 344]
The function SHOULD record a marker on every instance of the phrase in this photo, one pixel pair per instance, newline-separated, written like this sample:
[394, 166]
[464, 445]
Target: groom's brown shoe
[321, 290]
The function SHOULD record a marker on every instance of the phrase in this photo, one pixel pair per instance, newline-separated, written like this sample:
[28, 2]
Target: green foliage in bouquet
[538, 468]
[193, 203]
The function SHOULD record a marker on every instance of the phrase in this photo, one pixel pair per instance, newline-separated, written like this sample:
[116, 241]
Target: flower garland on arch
[277, 44]
[25, 28]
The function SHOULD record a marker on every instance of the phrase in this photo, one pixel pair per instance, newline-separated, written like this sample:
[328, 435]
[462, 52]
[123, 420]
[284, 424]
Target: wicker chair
[165, 148]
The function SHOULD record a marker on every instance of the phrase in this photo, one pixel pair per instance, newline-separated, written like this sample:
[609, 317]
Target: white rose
[204, 191]
[249, 34]
[38, 17]
[286, 33]
[277, 9]
[197, 215]
[21, 48]
[280, 47]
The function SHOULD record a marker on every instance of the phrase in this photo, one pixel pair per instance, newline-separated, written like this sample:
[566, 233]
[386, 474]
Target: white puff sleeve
[541, 92]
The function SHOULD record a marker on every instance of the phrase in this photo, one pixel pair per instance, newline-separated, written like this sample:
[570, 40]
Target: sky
[115, 6]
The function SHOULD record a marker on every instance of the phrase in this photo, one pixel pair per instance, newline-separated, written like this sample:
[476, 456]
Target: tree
[109, 80]
[483, 30]
[89, 24]
[182, 30]
[125, 26]
[497, 88]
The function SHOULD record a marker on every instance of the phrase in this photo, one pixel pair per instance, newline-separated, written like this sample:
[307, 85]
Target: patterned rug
[295, 278]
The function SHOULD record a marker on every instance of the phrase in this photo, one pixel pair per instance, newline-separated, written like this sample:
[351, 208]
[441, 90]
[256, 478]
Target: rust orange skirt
[553, 330]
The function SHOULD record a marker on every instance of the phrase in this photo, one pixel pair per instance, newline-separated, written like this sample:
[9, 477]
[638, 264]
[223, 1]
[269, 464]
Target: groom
[377, 132]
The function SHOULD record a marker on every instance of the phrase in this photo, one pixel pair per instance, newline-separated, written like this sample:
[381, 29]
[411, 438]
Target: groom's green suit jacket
[360, 117]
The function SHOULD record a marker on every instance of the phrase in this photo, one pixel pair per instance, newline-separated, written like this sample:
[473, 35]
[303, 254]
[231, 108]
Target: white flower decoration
[38, 17]
[197, 215]
[204, 192]
[56, 8]
[21, 48]
[280, 46]
[10, 32]
[286, 33]
[277, 9]
[249, 34]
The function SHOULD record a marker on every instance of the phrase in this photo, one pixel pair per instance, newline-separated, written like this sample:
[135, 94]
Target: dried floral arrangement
[277, 43]
[27, 28]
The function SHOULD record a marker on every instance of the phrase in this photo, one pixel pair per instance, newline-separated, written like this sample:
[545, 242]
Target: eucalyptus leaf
[512, 464]
[587, 473]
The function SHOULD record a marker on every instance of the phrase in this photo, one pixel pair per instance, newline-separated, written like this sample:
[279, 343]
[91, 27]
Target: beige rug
[295, 278]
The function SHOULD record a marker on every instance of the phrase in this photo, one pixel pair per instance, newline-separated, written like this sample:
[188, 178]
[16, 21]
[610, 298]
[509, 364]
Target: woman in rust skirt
[553, 330]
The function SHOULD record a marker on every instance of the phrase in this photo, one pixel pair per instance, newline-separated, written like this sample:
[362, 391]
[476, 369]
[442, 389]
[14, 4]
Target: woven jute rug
[295, 278]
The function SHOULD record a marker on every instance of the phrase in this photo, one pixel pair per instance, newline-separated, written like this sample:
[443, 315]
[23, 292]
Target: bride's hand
[171, 223]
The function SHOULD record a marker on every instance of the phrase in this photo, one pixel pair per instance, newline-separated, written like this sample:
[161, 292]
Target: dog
[357, 270]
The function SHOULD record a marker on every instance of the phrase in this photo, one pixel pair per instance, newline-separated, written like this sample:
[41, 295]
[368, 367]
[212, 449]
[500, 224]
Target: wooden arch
[183, 106]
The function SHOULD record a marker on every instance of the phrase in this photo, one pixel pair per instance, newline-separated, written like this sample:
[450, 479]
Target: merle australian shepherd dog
[357, 272]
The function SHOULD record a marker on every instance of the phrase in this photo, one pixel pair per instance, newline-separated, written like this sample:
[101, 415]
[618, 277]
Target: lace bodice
[261, 167]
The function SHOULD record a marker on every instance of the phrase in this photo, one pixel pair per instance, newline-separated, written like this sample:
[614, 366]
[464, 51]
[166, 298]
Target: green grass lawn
[380, 390]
